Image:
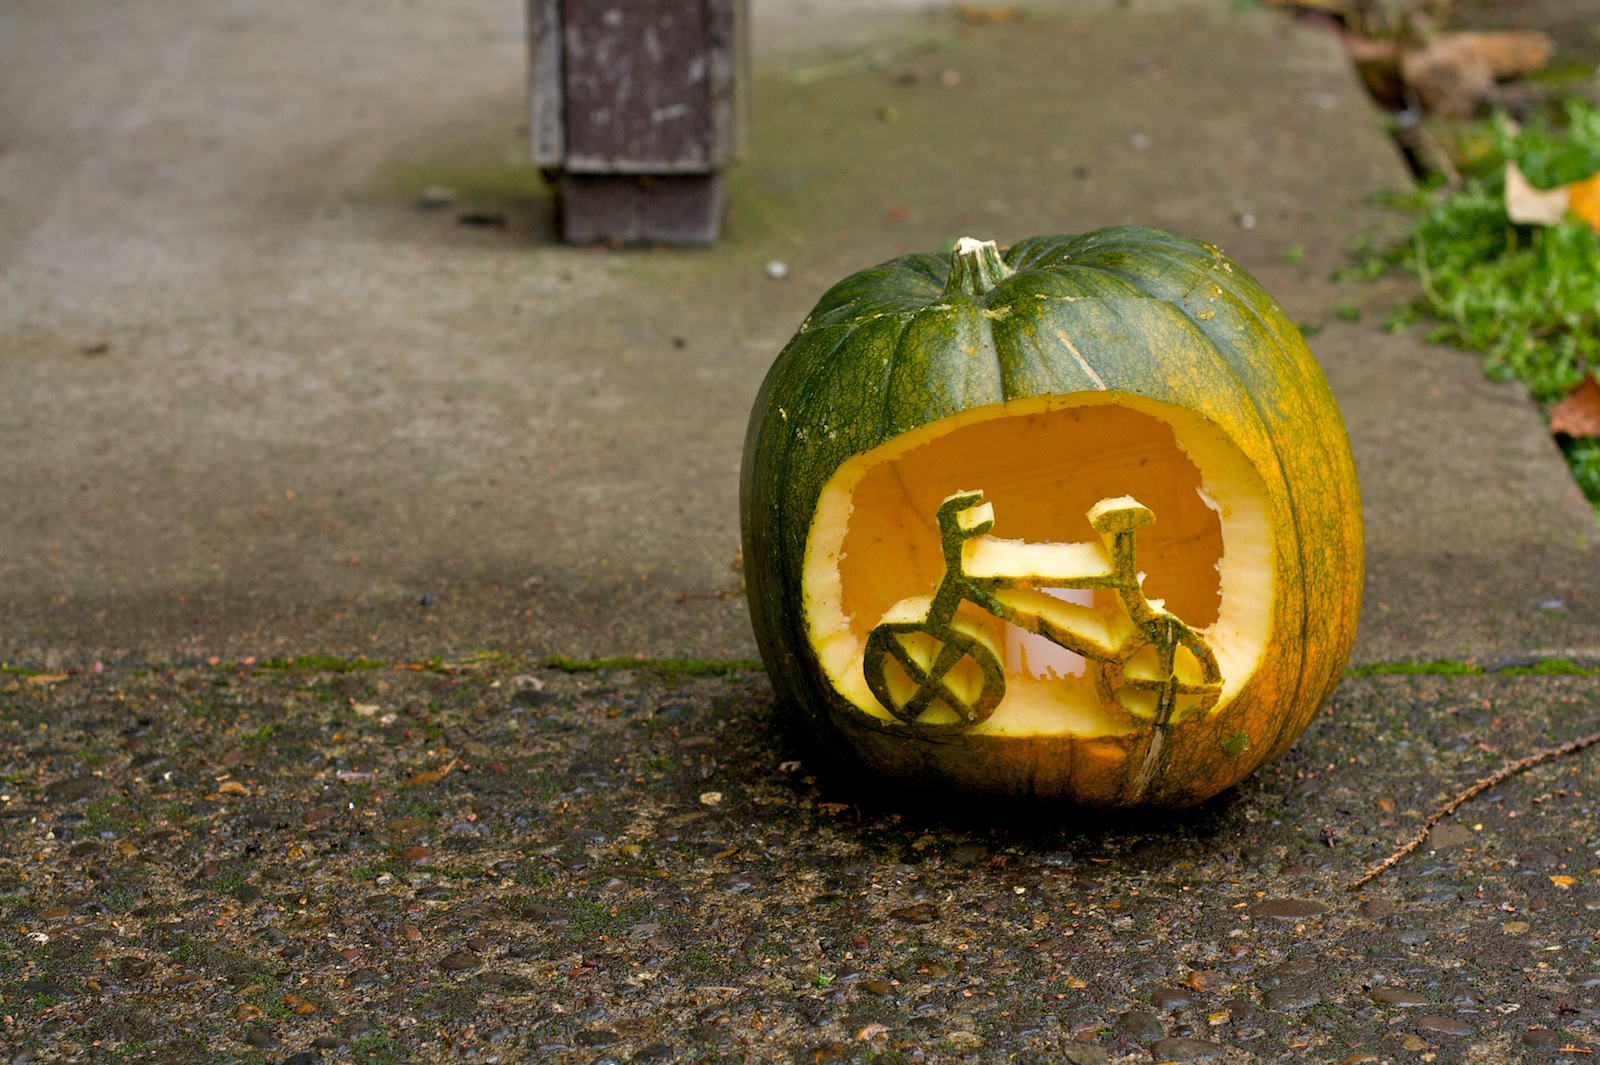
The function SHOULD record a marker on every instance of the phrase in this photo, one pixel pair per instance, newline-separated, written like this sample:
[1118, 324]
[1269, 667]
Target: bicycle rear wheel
[1163, 675]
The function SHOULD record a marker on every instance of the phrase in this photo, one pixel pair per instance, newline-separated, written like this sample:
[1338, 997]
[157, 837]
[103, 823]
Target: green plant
[1526, 297]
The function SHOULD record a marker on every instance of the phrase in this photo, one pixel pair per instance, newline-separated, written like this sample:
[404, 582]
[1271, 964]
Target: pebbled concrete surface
[253, 399]
[486, 864]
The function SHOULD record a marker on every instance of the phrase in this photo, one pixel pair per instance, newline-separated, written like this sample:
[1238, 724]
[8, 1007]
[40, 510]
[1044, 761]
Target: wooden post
[637, 105]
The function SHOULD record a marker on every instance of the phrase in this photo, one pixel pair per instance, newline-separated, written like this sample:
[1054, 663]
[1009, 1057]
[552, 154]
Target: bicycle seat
[1119, 515]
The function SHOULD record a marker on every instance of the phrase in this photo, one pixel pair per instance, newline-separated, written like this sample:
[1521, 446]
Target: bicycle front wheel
[933, 680]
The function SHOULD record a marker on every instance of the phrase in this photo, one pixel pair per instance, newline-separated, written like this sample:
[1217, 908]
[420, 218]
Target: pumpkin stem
[975, 268]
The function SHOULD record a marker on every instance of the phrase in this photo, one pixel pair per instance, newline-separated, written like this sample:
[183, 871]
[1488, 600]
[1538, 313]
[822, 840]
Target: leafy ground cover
[1527, 297]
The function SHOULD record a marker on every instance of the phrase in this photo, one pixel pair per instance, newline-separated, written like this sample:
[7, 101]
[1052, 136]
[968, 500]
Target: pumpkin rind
[1125, 312]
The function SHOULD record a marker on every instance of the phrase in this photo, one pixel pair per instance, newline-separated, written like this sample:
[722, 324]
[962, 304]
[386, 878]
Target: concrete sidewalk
[254, 400]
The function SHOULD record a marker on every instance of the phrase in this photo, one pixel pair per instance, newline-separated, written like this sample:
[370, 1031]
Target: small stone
[777, 269]
[247, 893]
[459, 961]
[1446, 836]
[1179, 1049]
[305, 1057]
[66, 791]
[1444, 1026]
[1239, 1010]
[968, 853]
[1377, 909]
[596, 1037]
[1085, 1054]
[654, 1054]
[1167, 999]
[259, 1037]
[361, 978]
[1290, 999]
[879, 987]
[1139, 1026]
[1541, 1037]
[1288, 909]
[920, 913]
[1396, 996]
[1297, 967]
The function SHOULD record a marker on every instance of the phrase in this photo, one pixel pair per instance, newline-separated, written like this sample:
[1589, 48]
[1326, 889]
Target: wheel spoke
[931, 685]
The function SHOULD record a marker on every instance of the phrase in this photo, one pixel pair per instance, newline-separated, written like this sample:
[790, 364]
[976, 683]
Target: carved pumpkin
[1077, 521]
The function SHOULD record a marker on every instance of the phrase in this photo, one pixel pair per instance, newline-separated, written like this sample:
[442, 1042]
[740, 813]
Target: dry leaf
[232, 787]
[1451, 72]
[872, 1031]
[1563, 882]
[47, 678]
[1207, 980]
[1324, 7]
[1585, 200]
[1530, 206]
[1378, 62]
[298, 1004]
[983, 15]
[1579, 413]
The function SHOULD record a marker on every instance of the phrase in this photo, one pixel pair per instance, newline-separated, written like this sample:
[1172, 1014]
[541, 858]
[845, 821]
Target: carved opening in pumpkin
[875, 557]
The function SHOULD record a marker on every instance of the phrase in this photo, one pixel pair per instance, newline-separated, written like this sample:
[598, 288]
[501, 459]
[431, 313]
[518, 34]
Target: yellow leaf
[1563, 882]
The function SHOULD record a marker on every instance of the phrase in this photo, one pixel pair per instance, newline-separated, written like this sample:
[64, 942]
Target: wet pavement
[256, 401]
[488, 861]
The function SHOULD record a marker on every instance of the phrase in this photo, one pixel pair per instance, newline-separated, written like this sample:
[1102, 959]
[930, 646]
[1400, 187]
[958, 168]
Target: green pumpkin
[1077, 521]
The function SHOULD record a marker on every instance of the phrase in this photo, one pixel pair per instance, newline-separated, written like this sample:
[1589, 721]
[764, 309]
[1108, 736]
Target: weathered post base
[641, 208]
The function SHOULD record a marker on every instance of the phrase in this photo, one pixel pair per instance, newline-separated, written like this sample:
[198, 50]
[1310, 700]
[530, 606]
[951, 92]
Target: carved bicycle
[1146, 660]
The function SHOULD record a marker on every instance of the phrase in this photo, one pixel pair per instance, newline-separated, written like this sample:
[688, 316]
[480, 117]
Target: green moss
[319, 664]
[1544, 667]
[1436, 668]
[692, 667]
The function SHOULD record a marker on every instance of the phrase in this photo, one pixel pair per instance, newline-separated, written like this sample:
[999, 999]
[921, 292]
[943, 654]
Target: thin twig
[1499, 775]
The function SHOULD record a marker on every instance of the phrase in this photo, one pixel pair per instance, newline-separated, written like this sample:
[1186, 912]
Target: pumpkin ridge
[1172, 252]
[1247, 296]
[1302, 623]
